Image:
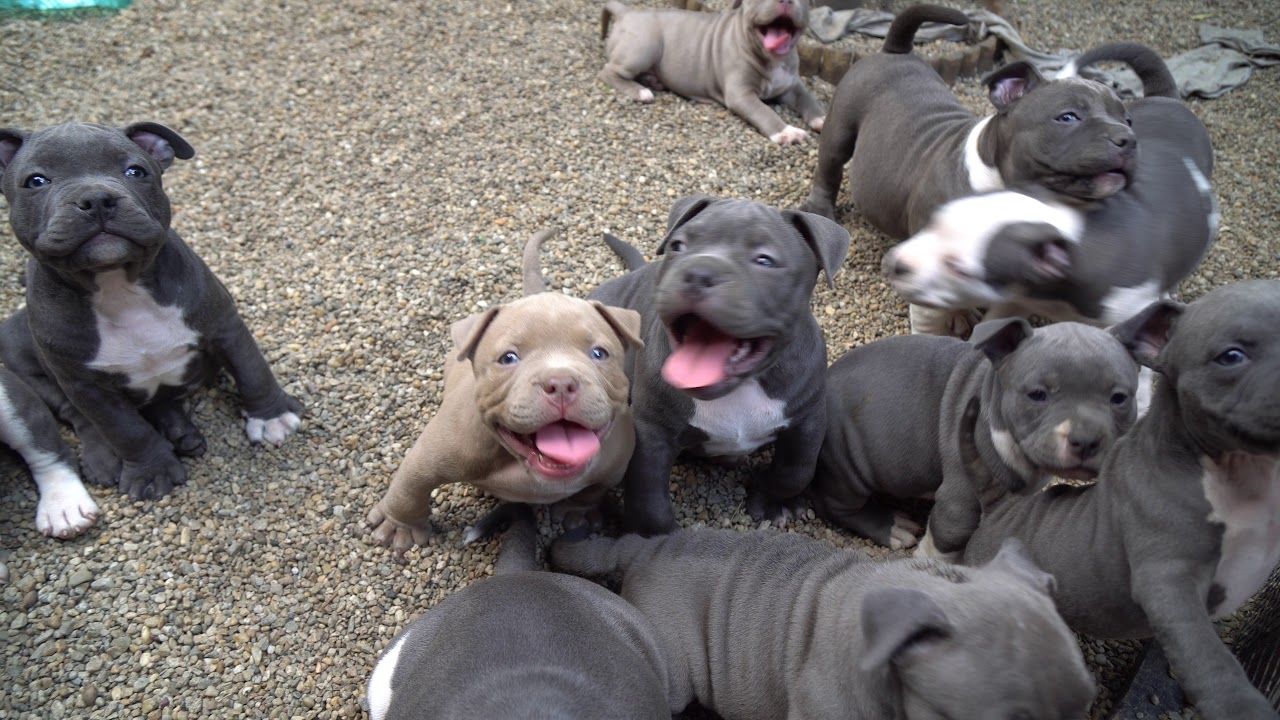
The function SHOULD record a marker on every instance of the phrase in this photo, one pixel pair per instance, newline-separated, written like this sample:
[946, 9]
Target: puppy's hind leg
[625, 65]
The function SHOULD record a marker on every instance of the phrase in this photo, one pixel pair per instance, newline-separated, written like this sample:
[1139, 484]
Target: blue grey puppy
[122, 318]
[1183, 523]
[766, 626]
[524, 644]
[1053, 400]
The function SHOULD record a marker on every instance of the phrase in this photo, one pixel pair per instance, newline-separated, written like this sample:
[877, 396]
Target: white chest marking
[982, 177]
[740, 422]
[779, 81]
[1244, 492]
[146, 342]
[379, 690]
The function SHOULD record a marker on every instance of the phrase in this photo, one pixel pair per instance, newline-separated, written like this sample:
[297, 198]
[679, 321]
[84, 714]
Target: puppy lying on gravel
[535, 410]
[737, 58]
[524, 644]
[1183, 524]
[767, 625]
[1053, 401]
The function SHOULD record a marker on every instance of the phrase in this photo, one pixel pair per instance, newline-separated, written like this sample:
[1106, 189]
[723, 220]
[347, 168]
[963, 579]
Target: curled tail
[1156, 79]
[611, 9]
[902, 31]
[631, 257]
[520, 543]
[531, 266]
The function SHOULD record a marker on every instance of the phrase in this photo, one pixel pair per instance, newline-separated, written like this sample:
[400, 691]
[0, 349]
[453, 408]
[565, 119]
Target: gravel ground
[366, 173]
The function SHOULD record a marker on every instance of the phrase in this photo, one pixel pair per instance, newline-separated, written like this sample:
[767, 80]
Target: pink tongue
[567, 443]
[700, 359]
[775, 38]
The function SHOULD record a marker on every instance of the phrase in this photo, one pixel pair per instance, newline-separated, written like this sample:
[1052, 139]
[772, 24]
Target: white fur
[780, 80]
[927, 549]
[148, 343]
[740, 422]
[1007, 448]
[645, 95]
[982, 177]
[789, 135]
[1068, 70]
[1206, 192]
[65, 508]
[273, 430]
[1244, 492]
[1123, 303]
[379, 690]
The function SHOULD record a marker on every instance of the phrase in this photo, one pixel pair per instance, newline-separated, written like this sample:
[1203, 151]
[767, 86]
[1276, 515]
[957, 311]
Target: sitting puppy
[122, 318]
[524, 644]
[733, 358]
[773, 625]
[737, 58]
[1024, 251]
[534, 410]
[65, 509]
[1183, 524]
[1053, 400]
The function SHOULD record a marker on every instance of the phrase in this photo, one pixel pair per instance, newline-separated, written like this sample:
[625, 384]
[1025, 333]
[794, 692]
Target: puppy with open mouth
[534, 411]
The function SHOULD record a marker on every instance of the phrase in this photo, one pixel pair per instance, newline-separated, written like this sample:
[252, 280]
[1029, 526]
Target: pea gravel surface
[366, 174]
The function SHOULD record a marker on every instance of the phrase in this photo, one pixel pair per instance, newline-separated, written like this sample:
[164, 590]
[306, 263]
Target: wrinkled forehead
[1247, 313]
[1073, 351]
[549, 320]
[1082, 91]
[739, 223]
[77, 145]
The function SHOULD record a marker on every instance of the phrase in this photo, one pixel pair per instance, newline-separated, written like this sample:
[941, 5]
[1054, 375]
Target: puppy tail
[531, 265]
[520, 543]
[902, 31]
[1157, 81]
[631, 257]
[598, 556]
[611, 9]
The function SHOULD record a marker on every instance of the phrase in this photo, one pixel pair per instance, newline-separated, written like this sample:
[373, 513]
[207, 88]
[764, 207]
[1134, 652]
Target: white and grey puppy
[774, 625]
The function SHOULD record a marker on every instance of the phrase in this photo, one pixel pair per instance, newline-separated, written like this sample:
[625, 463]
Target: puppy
[1053, 400]
[534, 410]
[737, 58]
[1183, 523]
[767, 625]
[122, 320]
[524, 644]
[733, 359]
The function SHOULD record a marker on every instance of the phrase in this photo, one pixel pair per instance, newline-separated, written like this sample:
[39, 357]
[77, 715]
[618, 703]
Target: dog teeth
[744, 348]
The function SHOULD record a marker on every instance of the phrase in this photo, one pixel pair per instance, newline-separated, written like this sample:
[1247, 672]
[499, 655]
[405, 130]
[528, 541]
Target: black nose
[1085, 447]
[701, 278]
[97, 201]
[900, 269]
[1124, 141]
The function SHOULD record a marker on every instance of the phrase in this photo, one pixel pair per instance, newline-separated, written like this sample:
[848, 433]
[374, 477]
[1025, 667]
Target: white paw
[65, 509]
[4, 574]
[645, 95]
[926, 549]
[817, 123]
[274, 430]
[904, 532]
[789, 135]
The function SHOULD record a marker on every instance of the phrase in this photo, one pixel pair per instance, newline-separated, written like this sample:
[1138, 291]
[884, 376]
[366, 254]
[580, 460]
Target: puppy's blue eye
[35, 181]
[508, 358]
[599, 353]
[1038, 395]
[1231, 356]
[1119, 398]
[765, 261]
[133, 171]
[1068, 117]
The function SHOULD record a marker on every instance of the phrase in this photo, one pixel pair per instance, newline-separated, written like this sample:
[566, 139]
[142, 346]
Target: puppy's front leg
[799, 98]
[271, 414]
[743, 101]
[1206, 669]
[776, 490]
[647, 484]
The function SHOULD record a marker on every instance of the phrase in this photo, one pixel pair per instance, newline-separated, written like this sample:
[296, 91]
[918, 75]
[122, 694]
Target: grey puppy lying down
[774, 625]
[1183, 523]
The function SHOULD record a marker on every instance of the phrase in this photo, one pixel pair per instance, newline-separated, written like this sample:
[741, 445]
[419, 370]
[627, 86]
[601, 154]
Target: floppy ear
[1013, 559]
[466, 333]
[828, 240]
[997, 339]
[1007, 85]
[10, 140]
[160, 142]
[685, 209]
[1028, 253]
[897, 621]
[626, 323]
[1146, 334]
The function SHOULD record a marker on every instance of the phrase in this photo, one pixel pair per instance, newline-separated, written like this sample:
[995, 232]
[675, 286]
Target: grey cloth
[1223, 63]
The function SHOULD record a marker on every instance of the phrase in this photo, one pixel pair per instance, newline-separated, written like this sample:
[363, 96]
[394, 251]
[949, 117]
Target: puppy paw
[153, 478]
[927, 549]
[273, 430]
[904, 532]
[825, 208]
[644, 95]
[778, 512]
[4, 574]
[99, 463]
[65, 509]
[391, 533]
[789, 135]
[817, 123]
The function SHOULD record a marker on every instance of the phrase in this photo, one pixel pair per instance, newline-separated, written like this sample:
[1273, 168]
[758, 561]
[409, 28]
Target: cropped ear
[1146, 334]
[466, 333]
[828, 240]
[1013, 559]
[685, 209]
[897, 621]
[626, 323]
[997, 339]
[1007, 85]
[160, 142]
[10, 140]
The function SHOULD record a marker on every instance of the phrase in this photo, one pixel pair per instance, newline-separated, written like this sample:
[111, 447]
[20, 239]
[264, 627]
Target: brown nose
[560, 391]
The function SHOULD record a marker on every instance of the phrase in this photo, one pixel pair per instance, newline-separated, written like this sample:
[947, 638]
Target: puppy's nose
[1085, 445]
[1124, 141]
[96, 201]
[701, 278]
[560, 391]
